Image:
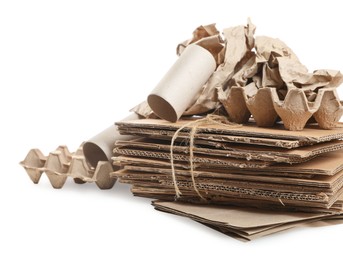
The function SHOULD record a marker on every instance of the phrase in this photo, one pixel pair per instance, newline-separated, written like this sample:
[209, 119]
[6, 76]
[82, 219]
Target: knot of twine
[193, 125]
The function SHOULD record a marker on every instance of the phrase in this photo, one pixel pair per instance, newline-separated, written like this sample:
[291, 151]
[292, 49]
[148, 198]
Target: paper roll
[184, 80]
[100, 147]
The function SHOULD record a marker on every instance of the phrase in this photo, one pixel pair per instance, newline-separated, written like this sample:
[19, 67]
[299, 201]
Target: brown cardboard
[325, 164]
[61, 164]
[328, 183]
[331, 110]
[33, 164]
[102, 176]
[235, 105]
[201, 160]
[244, 222]
[310, 135]
[179, 88]
[242, 218]
[295, 110]
[154, 193]
[168, 134]
[56, 169]
[146, 166]
[100, 147]
[239, 166]
[261, 107]
[248, 152]
[299, 195]
[234, 173]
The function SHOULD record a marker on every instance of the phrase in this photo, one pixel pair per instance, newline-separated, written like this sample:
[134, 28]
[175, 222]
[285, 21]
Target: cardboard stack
[305, 176]
[247, 166]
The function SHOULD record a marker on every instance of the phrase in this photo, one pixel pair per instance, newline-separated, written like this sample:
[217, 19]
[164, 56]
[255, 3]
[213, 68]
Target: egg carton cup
[61, 164]
[295, 110]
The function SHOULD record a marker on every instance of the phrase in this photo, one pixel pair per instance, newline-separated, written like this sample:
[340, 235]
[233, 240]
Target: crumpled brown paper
[238, 44]
[144, 110]
[275, 65]
[203, 32]
[252, 63]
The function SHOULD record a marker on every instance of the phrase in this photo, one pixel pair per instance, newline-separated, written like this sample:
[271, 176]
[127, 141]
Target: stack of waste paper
[238, 135]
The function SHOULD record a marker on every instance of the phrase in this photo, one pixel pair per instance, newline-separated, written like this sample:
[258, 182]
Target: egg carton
[61, 164]
[295, 110]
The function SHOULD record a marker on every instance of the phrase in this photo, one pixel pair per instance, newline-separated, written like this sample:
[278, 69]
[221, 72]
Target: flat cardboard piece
[200, 160]
[215, 138]
[235, 217]
[234, 200]
[241, 151]
[312, 134]
[245, 223]
[325, 164]
[324, 183]
[226, 191]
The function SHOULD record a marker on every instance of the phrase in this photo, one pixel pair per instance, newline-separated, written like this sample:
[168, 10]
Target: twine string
[194, 125]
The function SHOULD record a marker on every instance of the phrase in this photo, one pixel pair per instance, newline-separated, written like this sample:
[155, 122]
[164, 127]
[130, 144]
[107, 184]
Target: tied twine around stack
[209, 119]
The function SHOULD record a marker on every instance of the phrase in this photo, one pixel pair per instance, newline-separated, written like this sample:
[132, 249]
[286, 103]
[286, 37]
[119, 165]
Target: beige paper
[199, 33]
[144, 110]
[239, 41]
[180, 86]
[100, 147]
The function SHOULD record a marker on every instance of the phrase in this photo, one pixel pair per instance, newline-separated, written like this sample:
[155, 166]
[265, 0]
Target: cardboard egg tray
[295, 110]
[61, 164]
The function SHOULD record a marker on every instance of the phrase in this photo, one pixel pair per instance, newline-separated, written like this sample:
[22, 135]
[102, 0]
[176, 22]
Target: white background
[69, 69]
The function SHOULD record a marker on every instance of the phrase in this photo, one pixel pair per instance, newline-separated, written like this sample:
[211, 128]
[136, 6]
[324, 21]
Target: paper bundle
[265, 174]
[244, 165]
